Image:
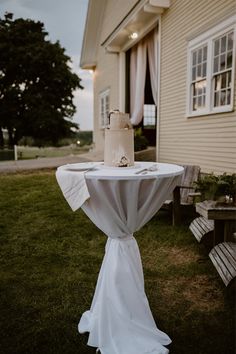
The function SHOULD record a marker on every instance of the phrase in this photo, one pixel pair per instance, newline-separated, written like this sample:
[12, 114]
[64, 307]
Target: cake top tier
[119, 120]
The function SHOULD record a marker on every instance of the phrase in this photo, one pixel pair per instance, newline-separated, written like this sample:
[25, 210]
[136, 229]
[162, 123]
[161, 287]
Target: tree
[36, 83]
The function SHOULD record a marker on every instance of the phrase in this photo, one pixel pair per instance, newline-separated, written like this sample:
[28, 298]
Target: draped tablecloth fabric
[120, 320]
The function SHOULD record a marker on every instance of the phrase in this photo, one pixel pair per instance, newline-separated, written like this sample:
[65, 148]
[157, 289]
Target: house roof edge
[92, 31]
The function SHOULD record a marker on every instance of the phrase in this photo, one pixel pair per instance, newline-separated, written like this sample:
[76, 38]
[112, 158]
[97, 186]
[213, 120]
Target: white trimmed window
[104, 108]
[211, 70]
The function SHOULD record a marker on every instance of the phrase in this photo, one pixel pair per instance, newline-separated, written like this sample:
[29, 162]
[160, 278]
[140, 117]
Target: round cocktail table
[120, 202]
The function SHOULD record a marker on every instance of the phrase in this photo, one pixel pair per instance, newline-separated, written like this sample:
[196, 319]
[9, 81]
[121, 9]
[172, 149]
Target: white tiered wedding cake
[119, 141]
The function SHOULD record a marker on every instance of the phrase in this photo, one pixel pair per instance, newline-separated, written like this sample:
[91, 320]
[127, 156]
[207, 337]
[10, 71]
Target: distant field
[34, 152]
[79, 144]
[24, 153]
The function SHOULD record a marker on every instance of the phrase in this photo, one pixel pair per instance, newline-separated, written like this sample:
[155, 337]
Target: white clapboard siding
[115, 12]
[223, 256]
[208, 141]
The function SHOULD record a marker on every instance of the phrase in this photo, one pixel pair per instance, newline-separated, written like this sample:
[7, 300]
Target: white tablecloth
[120, 203]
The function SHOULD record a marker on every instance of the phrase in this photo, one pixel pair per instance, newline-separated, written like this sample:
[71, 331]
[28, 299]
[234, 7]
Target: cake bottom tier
[119, 147]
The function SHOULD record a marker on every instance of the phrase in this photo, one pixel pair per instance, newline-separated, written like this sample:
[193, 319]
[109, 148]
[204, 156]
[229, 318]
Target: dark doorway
[149, 112]
[148, 124]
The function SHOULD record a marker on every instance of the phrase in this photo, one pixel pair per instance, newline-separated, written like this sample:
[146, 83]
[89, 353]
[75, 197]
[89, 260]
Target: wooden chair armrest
[186, 187]
[196, 194]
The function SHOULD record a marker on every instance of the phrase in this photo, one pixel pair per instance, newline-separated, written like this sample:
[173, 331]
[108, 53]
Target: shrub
[140, 141]
[213, 187]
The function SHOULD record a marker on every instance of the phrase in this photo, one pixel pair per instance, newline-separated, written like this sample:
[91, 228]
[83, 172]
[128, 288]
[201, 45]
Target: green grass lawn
[50, 258]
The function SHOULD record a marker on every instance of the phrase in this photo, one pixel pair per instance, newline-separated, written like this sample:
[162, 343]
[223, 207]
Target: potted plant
[220, 188]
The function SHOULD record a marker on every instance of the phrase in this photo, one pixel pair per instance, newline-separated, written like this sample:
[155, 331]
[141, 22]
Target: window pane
[107, 101]
[217, 47]
[204, 69]
[230, 40]
[194, 57]
[194, 104]
[205, 53]
[194, 73]
[216, 99]
[199, 56]
[223, 80]
[204, 100]
[216, 64]
[102, 105]
[223, 98]
[222, 89]
[104, 108]
[217, 82]
[199, 96]
[222, 62]
[223, 44]
[228, 96]
[229, 60]
[199, 72]
[199, 101]
[229, 79]
[199, 88]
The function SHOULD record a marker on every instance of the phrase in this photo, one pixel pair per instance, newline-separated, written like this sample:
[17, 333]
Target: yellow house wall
[106, 75]
[208, 141]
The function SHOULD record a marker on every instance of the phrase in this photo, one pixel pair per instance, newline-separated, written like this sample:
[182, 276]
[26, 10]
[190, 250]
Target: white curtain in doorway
[138, 65]
[152, 46]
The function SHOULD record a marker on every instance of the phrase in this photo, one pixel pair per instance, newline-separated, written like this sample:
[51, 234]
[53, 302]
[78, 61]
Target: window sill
[208, 113]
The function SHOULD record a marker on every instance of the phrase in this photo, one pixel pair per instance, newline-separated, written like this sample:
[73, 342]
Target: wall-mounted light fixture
[133, 35]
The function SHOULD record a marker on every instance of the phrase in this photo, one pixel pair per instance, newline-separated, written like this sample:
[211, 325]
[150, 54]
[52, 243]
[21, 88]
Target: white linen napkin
[73, 186]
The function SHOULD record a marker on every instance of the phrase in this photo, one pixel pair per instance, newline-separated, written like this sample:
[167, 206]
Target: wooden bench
[223, 256]
[202, 228]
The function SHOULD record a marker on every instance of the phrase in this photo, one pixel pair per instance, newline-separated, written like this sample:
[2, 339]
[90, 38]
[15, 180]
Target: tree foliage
[36, 83]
